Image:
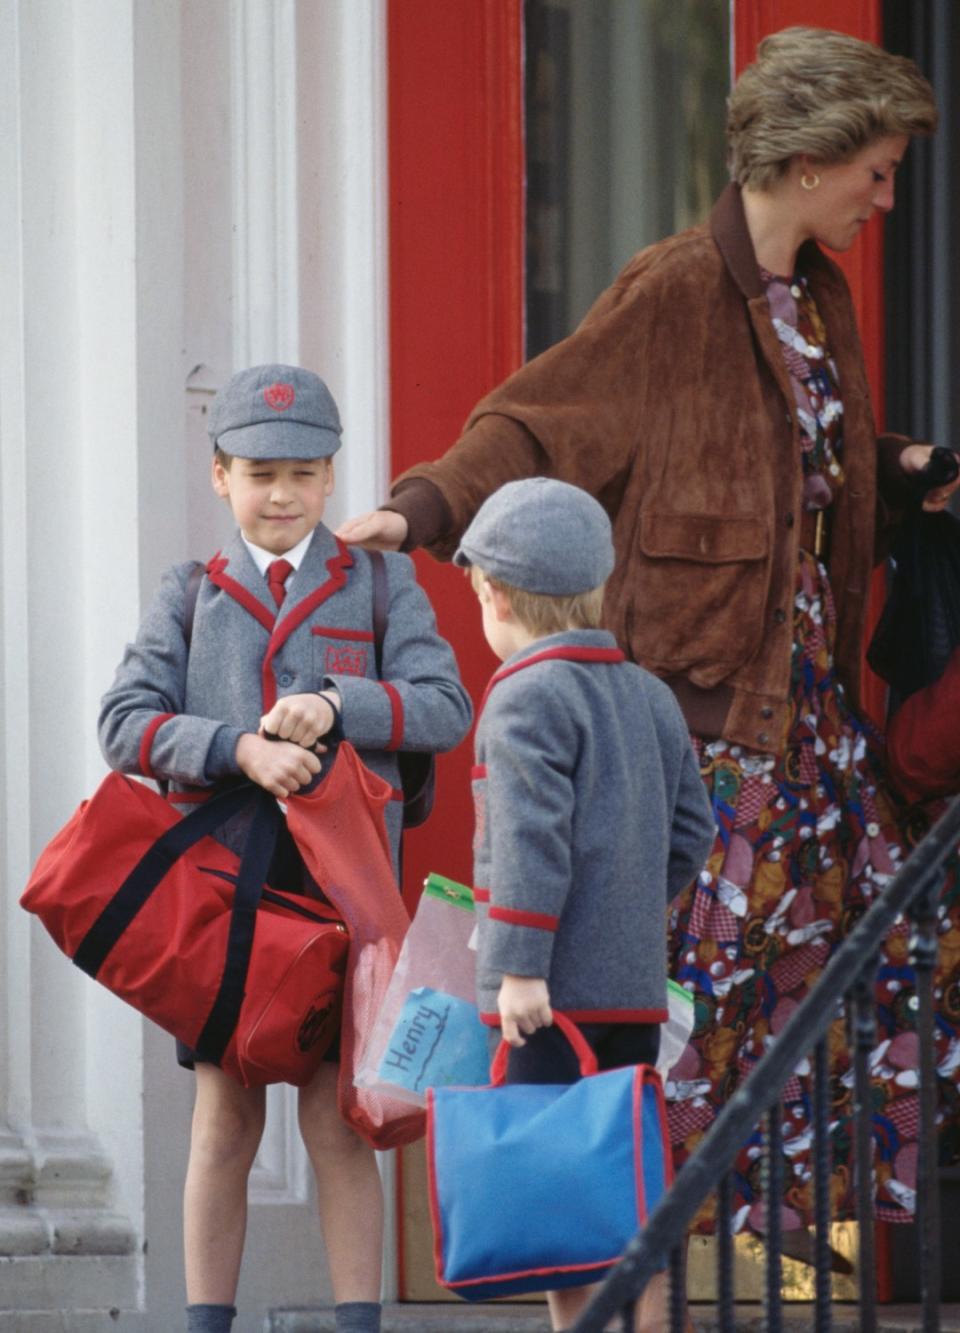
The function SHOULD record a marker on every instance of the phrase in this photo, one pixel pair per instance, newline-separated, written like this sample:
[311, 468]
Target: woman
[715, 400]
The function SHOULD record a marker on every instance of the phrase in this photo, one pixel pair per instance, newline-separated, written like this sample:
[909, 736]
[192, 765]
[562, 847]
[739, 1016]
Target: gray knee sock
[210, 1318]
[357, 1317]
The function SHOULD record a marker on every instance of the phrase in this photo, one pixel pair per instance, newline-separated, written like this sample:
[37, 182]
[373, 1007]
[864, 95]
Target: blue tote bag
[535, 1187]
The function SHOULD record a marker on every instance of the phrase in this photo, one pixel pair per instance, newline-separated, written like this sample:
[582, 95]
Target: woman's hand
[913, 460]
[524, 1004]
[381, 530]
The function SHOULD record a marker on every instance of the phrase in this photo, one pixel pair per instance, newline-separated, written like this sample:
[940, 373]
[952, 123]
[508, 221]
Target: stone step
[442, 1317]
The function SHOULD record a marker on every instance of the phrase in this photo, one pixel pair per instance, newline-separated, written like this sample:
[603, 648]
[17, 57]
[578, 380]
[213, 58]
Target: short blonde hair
[824, 94]
[541, 614]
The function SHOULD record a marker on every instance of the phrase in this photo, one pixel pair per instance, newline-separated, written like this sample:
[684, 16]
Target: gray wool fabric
[591, 816]
[218, 693]
[541, 535]
[275, 411]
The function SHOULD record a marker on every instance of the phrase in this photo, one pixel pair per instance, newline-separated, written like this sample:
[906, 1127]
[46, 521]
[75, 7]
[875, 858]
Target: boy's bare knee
[322, 1128]
[228, 1120]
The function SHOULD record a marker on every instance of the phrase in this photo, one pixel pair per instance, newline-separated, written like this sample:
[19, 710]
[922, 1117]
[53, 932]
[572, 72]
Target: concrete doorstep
[798, 1317]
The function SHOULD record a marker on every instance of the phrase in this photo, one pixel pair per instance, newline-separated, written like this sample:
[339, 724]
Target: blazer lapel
[233, 571]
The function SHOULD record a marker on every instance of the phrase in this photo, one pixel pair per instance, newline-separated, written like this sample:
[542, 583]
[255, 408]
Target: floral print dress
[805, 843]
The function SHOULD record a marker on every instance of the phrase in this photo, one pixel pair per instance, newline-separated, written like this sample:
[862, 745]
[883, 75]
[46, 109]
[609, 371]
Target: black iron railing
[848, 978]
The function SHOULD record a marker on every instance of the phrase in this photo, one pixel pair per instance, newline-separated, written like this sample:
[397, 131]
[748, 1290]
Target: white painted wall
[189, 186]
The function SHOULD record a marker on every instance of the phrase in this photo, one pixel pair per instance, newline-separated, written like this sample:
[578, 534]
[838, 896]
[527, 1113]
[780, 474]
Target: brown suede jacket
[672, 405]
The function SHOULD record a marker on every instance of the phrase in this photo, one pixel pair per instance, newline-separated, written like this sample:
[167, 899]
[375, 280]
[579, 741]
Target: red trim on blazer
[337, 567]
[146, 742]
[478, 771]
[396, 794]
[331, 632]
[513, 917]
[595, 1015]
[481, 895]
[396, 716]
[222, 580]
[567, 654]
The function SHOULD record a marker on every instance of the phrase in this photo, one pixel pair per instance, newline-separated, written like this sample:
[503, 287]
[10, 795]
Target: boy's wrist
[333, 699]
[221, 758]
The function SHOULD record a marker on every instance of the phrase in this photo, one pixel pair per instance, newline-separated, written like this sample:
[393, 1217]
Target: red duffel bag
[177, 925]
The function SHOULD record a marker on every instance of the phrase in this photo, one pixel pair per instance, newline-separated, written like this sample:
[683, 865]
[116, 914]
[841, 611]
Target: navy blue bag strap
[147, 874]
[254, 864]
[190, 593]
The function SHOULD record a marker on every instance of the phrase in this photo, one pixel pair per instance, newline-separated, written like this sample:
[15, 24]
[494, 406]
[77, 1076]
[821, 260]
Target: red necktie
[278, 571]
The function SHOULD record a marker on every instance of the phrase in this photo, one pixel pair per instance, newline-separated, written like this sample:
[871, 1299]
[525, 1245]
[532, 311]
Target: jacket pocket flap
[705, 538]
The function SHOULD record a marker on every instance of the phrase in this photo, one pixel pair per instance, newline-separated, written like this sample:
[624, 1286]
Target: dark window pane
[625, 107]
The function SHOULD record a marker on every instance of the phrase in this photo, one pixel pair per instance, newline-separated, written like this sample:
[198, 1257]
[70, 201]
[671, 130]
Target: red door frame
[456, 163]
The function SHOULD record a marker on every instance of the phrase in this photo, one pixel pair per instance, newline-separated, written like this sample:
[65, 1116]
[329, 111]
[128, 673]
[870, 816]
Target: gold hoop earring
[809, 182]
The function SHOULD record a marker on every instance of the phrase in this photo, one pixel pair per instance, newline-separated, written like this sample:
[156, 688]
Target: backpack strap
[379, 571]
[417, 768]
[190, 595]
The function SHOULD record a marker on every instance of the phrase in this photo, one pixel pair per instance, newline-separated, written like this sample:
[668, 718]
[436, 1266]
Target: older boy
[590, 811]
[281, 646]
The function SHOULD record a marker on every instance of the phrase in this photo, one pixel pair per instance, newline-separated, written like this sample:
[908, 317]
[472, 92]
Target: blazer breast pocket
[341, 652]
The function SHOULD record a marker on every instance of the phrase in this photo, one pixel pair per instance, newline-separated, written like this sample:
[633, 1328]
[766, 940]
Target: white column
[344, 310]
[90, 336]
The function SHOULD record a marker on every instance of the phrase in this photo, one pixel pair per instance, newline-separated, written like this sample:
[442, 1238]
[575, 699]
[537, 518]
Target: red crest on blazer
[279, 396]
[346, 661]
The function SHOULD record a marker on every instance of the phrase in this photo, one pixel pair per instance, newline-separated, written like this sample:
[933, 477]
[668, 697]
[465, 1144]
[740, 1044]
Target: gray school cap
[275, 412]
[541, 535]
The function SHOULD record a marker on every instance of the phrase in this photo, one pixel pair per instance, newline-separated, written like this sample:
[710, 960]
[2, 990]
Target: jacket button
[285, 680]
[763, 738]
[779, 616]
[766, 713]
[789, 419]
[790, 520]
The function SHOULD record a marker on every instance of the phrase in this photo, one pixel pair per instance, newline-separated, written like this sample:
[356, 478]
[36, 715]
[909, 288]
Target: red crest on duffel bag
[279, 396]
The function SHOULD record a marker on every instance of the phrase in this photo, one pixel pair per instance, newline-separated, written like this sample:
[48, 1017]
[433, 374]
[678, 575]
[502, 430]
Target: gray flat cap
[540, 535]
[275, 412]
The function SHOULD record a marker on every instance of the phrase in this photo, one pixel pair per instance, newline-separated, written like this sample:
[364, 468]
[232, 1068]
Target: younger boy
[590, 811]
[280, 645]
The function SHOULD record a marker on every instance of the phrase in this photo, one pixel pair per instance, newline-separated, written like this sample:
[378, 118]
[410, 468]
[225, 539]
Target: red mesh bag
[340, 830]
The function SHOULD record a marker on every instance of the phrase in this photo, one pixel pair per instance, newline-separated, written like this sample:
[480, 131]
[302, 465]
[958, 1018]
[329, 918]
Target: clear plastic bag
[675, 1032]
[428, 1033]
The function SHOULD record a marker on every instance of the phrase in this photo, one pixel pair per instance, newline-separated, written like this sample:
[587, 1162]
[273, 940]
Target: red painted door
[456, 161]
[456, 297]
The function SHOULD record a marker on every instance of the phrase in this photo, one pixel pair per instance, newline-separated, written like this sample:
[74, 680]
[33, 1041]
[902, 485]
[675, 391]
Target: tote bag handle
[583, 1051]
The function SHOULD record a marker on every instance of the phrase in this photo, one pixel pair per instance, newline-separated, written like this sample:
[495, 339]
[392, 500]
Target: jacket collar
[571, 638]
[728, 226]
[577, 645]
[239, 565]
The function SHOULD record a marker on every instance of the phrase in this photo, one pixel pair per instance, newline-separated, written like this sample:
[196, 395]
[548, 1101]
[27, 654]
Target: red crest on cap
[279, 396]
